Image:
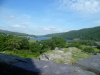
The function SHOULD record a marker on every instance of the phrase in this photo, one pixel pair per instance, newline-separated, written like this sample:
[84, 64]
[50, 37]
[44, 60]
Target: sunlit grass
[30, 41]
[21, 53]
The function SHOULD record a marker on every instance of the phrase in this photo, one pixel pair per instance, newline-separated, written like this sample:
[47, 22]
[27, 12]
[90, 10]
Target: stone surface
[91, 64]
[40, 67]
[6, 61]
[57, 55]
[9, 59]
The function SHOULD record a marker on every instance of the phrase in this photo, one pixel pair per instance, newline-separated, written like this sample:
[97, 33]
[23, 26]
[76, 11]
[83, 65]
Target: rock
[6, 61]
[59, 56]
[9, 59]
[40, 67]
[91, 64]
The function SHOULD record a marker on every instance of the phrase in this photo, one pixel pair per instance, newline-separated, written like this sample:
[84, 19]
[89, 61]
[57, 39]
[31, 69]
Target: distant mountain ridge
[86, 33]
[14, 33]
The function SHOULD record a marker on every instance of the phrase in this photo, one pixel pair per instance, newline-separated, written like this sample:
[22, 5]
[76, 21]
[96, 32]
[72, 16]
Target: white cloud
[49, 28]
[18, 26]
[83, 6]
[59, 30]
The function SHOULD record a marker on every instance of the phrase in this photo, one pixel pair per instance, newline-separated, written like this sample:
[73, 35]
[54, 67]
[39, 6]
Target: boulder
[6, 61]
[91, 64]
[40, 67]
[9, 59]
[59, 56]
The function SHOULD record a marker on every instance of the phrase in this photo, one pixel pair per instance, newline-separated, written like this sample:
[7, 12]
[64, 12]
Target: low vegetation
[23, 47]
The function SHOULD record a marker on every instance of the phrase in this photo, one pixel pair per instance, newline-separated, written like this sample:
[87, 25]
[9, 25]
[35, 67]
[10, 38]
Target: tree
[58, 42]
[35, 48]
[13, 43]
[24, 43]
[2, 42]
[89, 50]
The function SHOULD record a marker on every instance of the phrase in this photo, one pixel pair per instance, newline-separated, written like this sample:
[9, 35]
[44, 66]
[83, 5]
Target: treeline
[18, 44]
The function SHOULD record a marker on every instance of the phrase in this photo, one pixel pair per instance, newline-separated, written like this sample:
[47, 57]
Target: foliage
[22, 46]
[35, 48]
[53, 42]
[24, 43]
[89, 50]
[10, 42]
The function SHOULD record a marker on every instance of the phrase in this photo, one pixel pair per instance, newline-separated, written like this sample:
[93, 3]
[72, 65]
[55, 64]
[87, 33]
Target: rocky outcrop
[17, 66]
[91, 64]
[40, 67]
[59, 55]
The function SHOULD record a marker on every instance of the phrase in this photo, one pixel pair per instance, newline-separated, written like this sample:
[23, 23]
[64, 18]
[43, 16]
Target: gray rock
[6, 61]
[9, 59]
[58, 56]
[91, 64]
[40, 67]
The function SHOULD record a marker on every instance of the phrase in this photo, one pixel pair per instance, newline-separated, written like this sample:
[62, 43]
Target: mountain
[5, 32]
[54, 34]
[86, 33]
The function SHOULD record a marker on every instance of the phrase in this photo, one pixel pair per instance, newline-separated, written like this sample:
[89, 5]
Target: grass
[77, 54]
[21, 53]
[80, 56]
[31, 41]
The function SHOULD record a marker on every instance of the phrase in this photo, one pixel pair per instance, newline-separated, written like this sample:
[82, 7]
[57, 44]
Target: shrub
[89, 50]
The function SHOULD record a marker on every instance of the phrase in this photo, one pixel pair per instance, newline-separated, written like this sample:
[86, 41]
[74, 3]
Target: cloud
[18, 26]
[83, 6]
[59, 30]
[46, 30]
[49, 28]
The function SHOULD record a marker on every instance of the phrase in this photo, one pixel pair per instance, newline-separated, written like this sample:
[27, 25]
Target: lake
[40, 38]
[46, 38]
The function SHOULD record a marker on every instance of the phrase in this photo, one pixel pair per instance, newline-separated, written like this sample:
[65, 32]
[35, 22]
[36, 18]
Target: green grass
[77, 54]
[30, 41]
[22, 53]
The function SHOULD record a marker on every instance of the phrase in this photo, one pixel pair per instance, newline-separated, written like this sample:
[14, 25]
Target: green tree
[2, 42]
[13, 43]
[24, 43]
[89, 50]
[35, 48]
[58, 42]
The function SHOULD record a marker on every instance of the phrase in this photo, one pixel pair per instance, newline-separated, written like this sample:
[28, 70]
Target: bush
[89, 50]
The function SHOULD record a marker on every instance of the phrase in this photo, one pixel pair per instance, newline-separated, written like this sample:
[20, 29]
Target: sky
[40, 17]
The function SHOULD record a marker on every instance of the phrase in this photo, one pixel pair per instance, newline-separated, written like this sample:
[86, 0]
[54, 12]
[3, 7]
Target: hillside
[5, 32]
[54, 34]
[86, 33]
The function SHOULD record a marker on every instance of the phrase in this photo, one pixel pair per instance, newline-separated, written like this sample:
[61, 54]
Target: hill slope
[14, 33]
[86, 33]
